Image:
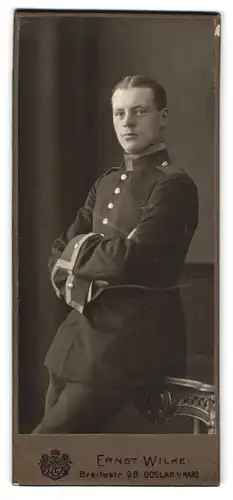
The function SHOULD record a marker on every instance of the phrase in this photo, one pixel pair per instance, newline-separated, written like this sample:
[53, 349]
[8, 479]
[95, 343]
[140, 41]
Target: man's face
[136, 120]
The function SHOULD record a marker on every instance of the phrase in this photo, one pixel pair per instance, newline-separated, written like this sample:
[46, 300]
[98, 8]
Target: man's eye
[140, 112]
[119, 114]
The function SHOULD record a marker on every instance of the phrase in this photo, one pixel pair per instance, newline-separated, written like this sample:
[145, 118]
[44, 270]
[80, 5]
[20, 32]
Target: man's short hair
[160, 97]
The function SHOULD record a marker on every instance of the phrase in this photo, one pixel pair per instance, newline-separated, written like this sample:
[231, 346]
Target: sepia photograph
[116, 225]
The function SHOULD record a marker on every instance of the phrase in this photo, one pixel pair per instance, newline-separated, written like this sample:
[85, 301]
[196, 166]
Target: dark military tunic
[129, 327]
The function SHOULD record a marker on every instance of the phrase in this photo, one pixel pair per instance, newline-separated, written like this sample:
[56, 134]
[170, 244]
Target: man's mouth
[129, 135]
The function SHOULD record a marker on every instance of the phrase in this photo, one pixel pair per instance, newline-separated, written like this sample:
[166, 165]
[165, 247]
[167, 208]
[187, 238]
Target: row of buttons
[116, 191]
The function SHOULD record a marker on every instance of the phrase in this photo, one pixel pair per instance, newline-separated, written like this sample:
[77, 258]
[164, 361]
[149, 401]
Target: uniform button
[123, 177]
[70, 285]
[165, 164]
[110, 205]
[117, 190]
[105, 221]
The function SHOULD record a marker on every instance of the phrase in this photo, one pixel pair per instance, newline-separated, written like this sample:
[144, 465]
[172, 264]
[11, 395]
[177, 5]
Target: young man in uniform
[118, 267]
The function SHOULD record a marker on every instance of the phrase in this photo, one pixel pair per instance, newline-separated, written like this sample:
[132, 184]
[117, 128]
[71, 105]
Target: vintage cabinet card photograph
[115, 248]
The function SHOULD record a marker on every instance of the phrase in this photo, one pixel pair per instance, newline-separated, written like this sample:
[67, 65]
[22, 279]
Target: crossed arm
[116, 260]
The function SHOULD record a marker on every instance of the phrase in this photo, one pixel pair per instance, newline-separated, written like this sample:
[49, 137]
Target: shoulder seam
[171, 169]
[114, 167]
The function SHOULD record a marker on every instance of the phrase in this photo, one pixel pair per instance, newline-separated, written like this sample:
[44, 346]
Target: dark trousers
[73, 407]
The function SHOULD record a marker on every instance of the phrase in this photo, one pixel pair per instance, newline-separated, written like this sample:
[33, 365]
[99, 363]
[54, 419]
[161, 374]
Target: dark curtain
[58, 83]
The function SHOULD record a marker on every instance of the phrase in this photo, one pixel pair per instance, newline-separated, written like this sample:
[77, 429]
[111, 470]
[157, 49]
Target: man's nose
[129, 120]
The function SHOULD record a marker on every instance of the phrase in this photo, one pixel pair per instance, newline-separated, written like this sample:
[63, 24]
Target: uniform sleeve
[81, 227]
[161, 236]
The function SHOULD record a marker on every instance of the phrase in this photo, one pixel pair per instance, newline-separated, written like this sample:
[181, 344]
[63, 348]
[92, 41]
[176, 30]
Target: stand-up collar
[156, 155]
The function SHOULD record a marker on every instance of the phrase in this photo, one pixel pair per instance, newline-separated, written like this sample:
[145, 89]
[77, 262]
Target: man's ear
[164, 116]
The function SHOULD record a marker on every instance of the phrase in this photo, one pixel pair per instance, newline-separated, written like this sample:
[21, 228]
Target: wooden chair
[190, 398]
[183, 397]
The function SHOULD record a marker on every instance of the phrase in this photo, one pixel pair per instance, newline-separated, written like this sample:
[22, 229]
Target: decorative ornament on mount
[55, 466]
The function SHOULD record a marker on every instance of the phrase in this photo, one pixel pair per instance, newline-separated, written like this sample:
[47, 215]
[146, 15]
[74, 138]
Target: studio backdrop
[67, 68]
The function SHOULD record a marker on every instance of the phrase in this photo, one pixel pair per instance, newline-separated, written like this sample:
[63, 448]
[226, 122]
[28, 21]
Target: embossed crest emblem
[55, 466]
